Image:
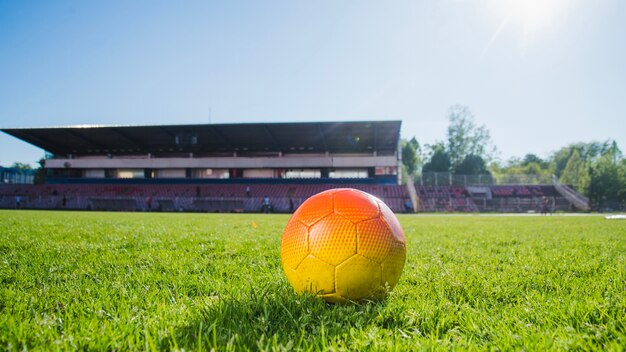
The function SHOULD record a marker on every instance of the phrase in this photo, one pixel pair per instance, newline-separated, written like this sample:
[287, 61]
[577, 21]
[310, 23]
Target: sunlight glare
[532, 15]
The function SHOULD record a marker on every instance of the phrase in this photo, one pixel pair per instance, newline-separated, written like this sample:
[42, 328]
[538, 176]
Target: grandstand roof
[306, 137]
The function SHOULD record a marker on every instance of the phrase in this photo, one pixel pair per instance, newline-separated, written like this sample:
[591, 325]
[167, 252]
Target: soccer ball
[343, 245]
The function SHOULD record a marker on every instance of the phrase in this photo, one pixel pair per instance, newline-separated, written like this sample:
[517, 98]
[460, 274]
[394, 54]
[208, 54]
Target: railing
[413, 194]
[449, 179]
[581, 202]
[16, 176]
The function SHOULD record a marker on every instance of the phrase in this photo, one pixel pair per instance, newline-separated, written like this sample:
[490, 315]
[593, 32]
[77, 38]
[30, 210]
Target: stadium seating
[232, 197]
[518, 191]
[445, 199]
[500, 198]
[183, 197]
[516, 198]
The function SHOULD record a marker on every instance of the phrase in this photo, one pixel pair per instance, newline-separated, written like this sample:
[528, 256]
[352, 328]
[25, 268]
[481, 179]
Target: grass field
[147, 281]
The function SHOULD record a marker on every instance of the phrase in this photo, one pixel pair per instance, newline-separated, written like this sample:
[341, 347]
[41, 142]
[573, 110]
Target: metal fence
[449, 179]
[16, 176]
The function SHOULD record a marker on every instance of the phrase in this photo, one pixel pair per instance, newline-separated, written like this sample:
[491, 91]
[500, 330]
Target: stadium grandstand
[235, 167]
[211, 167]
[444, 192]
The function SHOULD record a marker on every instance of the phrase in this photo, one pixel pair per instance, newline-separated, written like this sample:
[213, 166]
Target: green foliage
[529, 165]
[471, 165]
[439, 159]
[411, 155]
[607, 184]
[621, 193]
[21, 166]
[532, 159]
[534, 169]
[415, 144]
[466, 149]
[465, 137]
[588, 153]
[148, 281]
[576, 173]
[595, 169]
[40, 174]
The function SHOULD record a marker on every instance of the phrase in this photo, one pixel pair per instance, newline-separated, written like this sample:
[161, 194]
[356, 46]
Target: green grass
[138, 281]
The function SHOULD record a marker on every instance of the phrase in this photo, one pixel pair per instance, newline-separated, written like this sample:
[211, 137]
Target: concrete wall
[225, 163]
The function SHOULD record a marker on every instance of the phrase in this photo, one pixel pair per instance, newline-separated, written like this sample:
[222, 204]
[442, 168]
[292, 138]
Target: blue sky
[540, 74]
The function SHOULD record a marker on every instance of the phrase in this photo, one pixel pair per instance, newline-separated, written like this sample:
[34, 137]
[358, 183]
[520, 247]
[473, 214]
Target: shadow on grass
[272, 318]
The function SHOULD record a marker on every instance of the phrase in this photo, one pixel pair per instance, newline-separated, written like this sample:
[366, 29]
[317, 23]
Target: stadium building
[213, 167]
[197, 153]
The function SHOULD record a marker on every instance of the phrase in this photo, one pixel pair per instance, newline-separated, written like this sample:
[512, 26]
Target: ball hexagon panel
[393, 264]
[333, 239]
[314, 276]
[334, 298]
[295, 243]
[390, 218]
[355, 205]
[359, 278]
[315, 208]
[374, 239]
[293, 278]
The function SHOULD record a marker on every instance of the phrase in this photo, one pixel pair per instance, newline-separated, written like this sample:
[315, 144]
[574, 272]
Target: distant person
[149, 203]
[291, 205]
[64, 201]
[266, 205]
[248, 191]
[408, 207]
[18, 202]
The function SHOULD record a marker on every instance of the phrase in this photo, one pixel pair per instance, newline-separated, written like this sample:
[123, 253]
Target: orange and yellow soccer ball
[343, 245]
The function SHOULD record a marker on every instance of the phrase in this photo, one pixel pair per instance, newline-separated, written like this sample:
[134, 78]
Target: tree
[471, 165]
[523, 167]
[606, 186]
[605, 182]
[40, 173]
[411, 156]
[439, 159]
[532, 159]
[535, 169]
[588, 152]
[576, 172]
[21, 166]
[614, 152]
[621, 193]
[465, 137]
